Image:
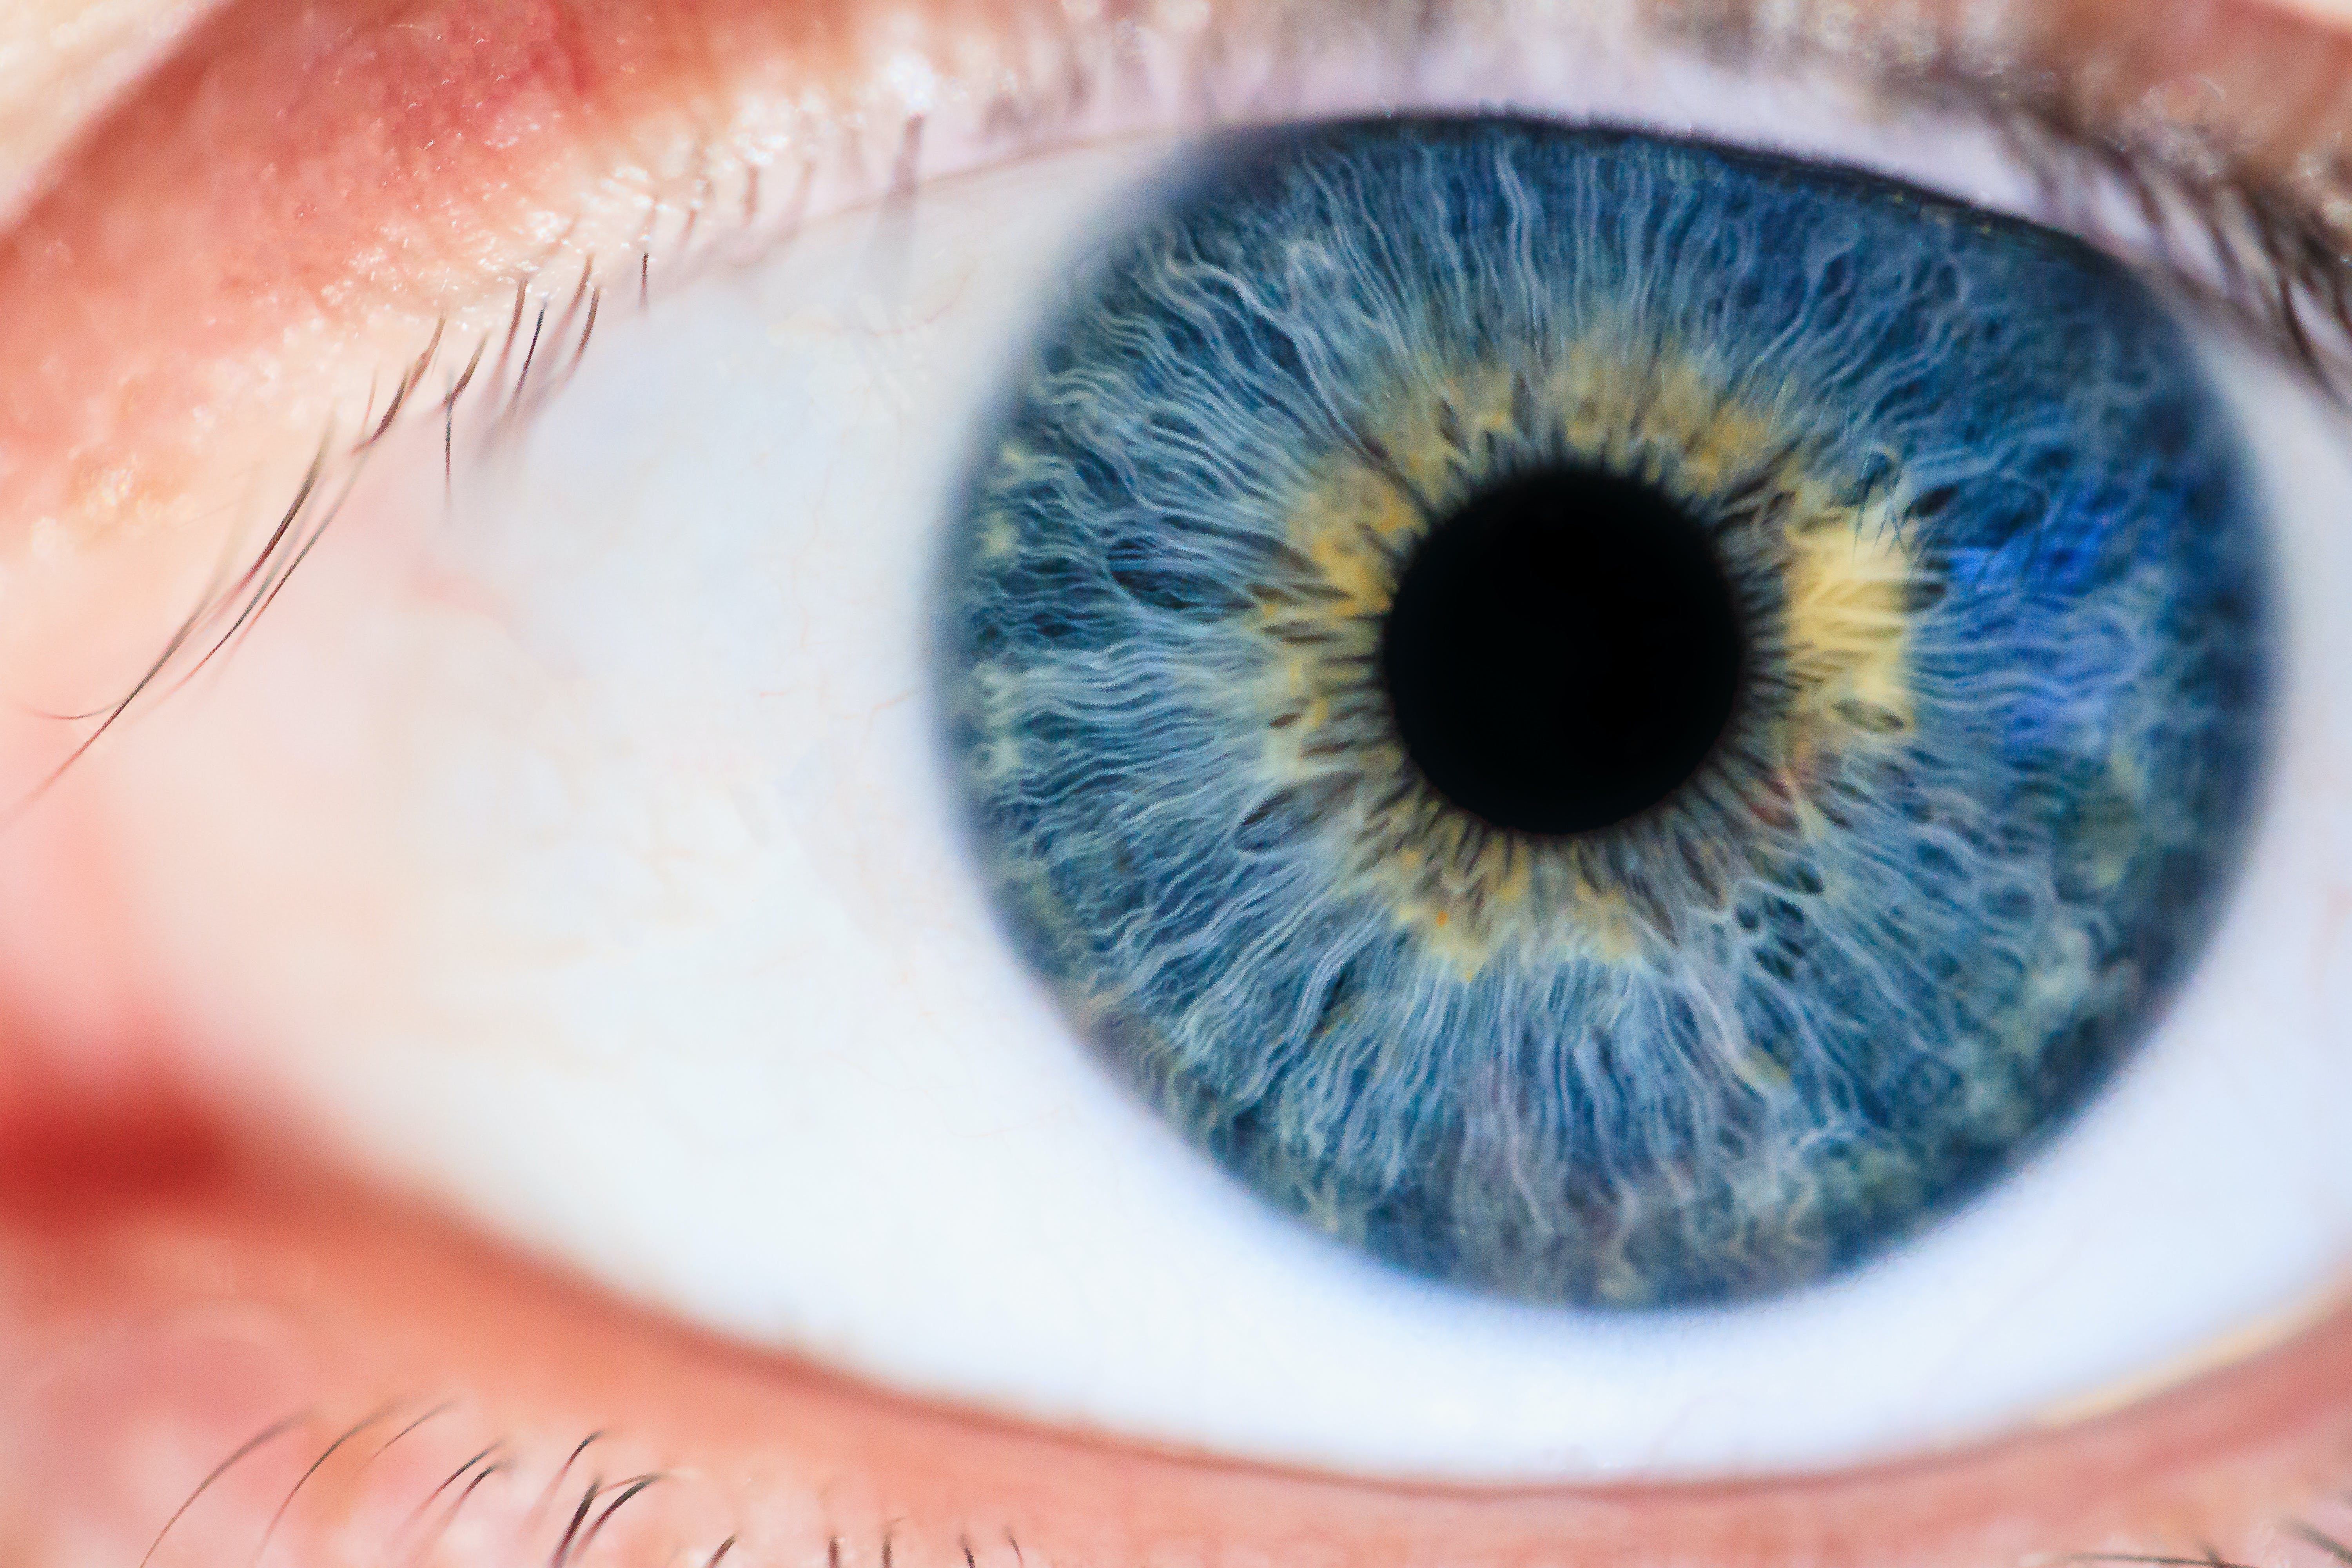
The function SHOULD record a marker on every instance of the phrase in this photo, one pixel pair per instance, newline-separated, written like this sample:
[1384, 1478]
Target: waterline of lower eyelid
[2259, 1336]
[377, 1311]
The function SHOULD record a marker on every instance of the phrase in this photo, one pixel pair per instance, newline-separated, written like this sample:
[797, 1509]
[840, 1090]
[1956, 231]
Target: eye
[597, 865]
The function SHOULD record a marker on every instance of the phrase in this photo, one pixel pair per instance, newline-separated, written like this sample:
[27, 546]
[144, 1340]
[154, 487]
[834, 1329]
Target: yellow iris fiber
[1838, 649]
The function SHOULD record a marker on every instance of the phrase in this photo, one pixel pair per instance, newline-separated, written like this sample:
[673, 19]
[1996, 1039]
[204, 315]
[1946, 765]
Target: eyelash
[574, 1526]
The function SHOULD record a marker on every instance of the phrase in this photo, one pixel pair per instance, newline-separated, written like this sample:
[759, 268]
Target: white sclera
[576, 852]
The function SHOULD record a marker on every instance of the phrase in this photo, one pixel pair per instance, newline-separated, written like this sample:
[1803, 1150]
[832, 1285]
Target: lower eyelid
[161, 1324]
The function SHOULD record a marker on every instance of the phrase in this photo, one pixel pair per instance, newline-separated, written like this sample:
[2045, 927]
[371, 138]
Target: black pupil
[1563, 652]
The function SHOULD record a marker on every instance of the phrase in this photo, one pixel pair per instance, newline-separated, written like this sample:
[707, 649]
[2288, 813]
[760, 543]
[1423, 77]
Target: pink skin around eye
[168, 1304]
[177, 1278]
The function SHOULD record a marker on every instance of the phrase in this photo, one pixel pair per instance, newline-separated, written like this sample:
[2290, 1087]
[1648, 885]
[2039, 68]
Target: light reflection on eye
[564, 850]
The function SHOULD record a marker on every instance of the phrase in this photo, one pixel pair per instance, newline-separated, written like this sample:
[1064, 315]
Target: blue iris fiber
[2000, 578]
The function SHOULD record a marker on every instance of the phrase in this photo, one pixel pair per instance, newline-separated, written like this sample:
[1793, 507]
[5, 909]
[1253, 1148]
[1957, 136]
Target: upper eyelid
[2166, 88]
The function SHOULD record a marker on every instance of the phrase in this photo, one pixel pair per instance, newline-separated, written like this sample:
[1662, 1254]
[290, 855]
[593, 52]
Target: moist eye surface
[1610, 720]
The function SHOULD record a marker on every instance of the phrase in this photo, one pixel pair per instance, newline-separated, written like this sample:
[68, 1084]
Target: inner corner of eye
[1616, 775]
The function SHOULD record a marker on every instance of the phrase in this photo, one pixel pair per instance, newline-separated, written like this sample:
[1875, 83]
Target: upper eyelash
[2222, 234]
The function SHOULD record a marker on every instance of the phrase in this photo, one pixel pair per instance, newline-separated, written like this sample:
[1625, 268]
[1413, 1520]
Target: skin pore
[226, 223]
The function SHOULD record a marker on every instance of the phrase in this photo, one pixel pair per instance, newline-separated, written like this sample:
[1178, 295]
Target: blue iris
[1989, 575]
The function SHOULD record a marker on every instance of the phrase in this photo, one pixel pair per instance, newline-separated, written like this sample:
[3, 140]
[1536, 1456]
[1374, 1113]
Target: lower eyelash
[568, 1517]
[569, 1528]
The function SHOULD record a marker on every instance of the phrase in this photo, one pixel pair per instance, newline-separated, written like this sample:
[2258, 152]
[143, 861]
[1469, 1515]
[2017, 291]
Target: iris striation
[1612, 720]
